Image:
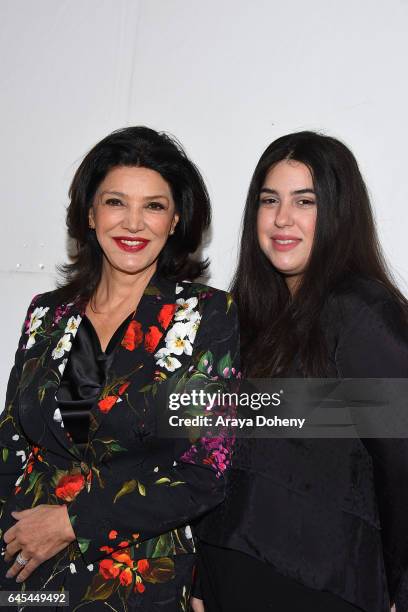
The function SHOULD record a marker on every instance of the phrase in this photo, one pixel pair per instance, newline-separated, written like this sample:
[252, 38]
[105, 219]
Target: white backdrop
[225, 76]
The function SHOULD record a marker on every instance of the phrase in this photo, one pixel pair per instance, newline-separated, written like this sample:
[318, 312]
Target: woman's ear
[91, 219]
[174, 223]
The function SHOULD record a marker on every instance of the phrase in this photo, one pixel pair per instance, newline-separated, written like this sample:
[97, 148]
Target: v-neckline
[114, 339]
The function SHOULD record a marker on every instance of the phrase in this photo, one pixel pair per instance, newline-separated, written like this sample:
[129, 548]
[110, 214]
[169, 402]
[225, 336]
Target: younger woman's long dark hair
[143, 147]
[276, 326]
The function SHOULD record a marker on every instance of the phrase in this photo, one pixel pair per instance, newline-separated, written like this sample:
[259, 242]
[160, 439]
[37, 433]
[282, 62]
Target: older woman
[95, 504]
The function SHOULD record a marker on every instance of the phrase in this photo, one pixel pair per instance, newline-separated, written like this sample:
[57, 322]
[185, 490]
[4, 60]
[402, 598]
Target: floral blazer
[130, 494]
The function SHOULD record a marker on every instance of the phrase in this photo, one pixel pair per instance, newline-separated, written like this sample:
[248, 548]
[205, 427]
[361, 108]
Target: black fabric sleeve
[375, 345]
[14, 447]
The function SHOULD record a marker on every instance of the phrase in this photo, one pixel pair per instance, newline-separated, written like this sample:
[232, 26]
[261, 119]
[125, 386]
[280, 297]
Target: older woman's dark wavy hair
[275, 326]
[142, 147]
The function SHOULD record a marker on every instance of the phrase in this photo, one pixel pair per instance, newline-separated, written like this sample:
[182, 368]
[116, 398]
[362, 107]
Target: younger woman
[315, 525]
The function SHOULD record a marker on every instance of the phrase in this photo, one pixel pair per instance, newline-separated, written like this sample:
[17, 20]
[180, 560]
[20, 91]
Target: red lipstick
[131, 244]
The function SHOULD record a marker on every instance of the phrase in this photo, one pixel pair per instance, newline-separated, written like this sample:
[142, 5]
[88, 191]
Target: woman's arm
[13, 445]
[375, 345]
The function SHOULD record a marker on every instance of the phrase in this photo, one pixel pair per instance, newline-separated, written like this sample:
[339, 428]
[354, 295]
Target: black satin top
[330, 513]
[84, 377]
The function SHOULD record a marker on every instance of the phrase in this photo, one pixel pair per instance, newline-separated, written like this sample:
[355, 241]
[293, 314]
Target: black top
[84, 376]
[331, 513]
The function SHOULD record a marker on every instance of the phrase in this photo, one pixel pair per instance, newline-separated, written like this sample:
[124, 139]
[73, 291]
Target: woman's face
[287, 218]
[133, 213]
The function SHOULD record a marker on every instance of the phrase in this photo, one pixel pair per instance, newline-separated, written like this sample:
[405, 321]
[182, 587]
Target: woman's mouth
[284, 244]
[131, 245]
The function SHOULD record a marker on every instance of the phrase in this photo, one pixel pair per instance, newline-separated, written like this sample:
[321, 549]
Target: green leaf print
[205, 362]
[83, 544]
[224, 366]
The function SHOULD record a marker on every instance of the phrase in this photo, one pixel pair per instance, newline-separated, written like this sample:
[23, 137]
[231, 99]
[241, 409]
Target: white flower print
[72, 325]
[90, 567]
[72, 568]
[19, 479]
[179, 289]
[36, 316]
[187, 531]
[176, 341]
[30, 341]
[58, 417]
[192, 325]
[15, 437]
[64, 344]
[185, 308]
[21, 453]
[164, 360]
[62, 365]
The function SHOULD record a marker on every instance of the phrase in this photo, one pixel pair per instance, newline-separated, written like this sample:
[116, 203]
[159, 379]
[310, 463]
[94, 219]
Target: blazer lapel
[42, 377]
[133, 362]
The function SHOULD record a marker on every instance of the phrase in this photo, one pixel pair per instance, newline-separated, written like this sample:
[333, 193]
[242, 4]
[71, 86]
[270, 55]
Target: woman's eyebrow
[124, 195]
[118, 193]
[158, 195]
[300, 191]
[296, 192]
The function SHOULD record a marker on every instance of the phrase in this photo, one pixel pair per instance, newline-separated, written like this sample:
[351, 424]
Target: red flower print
[123, 388]
[126, 577]
[113, 534]
[123, 544]
[122, 557]
[133, 336]
[108, 569]
[140, 587]
[107, 402]
[106, 549]
[152, 338]
[166, 314]
[69, 486]
[142, 566]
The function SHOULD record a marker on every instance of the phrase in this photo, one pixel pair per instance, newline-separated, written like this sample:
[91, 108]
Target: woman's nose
[134, 219]
[283, 215]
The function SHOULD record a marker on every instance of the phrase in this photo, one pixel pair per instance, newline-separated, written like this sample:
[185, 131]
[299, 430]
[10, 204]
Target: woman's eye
[268, 201]
[305, 203]
[156, 206]
[113, 202]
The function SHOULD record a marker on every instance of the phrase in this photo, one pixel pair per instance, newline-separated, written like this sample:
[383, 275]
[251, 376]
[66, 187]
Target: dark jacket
[331, 513]
[129, 493]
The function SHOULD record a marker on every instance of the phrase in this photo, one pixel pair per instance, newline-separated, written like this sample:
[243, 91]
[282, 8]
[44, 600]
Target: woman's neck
[117, 289]
[293, 283]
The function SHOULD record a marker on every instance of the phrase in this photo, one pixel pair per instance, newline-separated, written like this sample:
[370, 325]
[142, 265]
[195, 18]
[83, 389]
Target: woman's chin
[130, 268]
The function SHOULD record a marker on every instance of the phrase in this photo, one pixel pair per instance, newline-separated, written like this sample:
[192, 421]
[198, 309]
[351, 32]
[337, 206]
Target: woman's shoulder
[363, 297]
[206, 294]
[50, 299]
[359, 292]
[366, 305]
[50, 304]
[369, 323]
